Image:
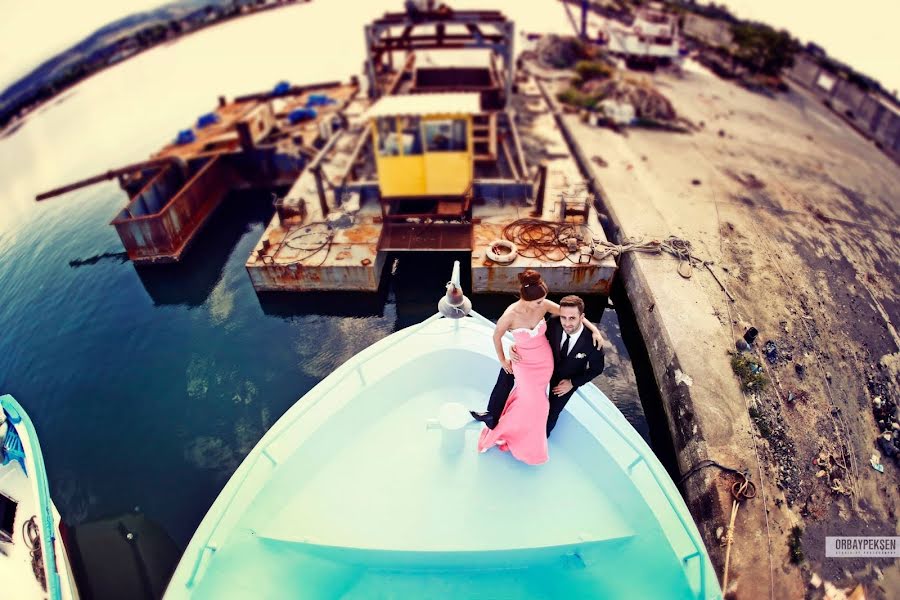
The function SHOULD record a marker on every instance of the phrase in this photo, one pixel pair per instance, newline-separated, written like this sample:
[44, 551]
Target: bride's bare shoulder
[512, 309]
[509, 315]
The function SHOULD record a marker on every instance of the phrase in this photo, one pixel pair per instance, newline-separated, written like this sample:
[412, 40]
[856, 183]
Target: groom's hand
[563, 387]
[514, 354]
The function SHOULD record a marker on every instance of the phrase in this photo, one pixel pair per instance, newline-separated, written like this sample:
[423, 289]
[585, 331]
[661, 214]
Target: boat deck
[252, 143]
[223, 135]
[427, 502]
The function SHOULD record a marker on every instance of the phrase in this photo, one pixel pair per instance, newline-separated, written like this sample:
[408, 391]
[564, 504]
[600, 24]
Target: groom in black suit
[575, 362]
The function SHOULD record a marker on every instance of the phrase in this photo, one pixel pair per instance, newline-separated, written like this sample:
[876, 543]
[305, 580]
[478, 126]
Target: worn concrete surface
[801, 218]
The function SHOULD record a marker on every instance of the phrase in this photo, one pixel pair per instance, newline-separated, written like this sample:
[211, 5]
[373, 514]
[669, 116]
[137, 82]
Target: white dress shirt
[572, 338]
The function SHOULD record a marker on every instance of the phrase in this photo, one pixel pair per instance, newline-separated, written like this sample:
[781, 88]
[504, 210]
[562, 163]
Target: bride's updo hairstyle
[531, 286]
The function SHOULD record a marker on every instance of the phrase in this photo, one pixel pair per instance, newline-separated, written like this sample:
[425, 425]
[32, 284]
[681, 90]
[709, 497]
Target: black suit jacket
[583, 362]
[578, 370]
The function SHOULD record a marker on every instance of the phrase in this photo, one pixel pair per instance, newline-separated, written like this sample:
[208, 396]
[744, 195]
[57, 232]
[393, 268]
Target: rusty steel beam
[364, 139]
[325, 149]
[315, 168]
[541, 191]
[511, 118]
[295, 90]
[512, 165]
[413, 41]
[156, 163]
[407, 66]
[457, 16]
[436, 46]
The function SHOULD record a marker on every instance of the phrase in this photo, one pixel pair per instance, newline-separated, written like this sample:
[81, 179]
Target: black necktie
[565, 347]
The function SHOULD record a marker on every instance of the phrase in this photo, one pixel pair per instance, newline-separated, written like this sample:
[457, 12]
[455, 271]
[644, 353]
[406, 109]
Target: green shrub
[593, 69]
[750, 373]
[575, 97]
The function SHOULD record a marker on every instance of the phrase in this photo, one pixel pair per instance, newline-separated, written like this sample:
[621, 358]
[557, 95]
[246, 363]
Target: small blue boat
[371, 486]
[33, 560]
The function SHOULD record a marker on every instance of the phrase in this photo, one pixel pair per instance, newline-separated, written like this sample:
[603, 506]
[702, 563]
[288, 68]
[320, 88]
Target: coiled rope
[32, 535]
[311, 239]
[552, 242]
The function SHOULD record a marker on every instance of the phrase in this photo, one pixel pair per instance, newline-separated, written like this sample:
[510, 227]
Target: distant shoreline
[17, 122]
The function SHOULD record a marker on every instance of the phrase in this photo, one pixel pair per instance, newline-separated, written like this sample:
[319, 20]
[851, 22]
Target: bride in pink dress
[521, 429]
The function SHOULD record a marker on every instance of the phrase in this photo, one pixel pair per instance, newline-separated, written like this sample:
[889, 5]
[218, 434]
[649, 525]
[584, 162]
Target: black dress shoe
[485, 417]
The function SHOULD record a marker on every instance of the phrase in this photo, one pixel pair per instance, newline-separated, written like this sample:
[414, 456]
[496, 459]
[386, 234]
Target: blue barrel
[282, 87]
[185, 136]
[319, 100]
[301, 114]
[207, 120]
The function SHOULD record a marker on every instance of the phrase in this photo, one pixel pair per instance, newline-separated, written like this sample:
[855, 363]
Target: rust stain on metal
[361, 234]
[579, 275]
[160, 234]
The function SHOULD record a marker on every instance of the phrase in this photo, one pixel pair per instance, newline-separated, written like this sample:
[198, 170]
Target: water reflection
[192, 281]
[119, 257]
[289, 306]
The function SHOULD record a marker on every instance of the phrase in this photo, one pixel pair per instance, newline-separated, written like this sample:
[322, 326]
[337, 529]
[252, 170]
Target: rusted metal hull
[574, 279]
[252, 142]
[401, 237]
[151, 233]
[297, 277]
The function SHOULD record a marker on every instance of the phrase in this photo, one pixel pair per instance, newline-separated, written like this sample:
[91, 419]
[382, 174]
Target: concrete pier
[798, 216]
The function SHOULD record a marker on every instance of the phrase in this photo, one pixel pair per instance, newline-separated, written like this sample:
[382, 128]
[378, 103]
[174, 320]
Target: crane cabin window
[446, 135]
[411, 136]
[388, 140]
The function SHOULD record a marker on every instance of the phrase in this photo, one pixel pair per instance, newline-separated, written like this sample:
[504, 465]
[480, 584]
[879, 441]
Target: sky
[32, 32]
[860, 33]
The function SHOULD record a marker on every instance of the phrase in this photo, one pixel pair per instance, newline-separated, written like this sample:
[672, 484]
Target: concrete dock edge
[709, 506]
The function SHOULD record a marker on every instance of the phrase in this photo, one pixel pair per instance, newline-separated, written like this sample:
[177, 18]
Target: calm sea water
[149, 386]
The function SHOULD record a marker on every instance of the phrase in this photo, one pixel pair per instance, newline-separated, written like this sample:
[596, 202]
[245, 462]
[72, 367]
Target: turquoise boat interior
[371, 486]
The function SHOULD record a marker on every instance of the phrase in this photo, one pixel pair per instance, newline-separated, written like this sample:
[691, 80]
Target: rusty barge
[460, 157]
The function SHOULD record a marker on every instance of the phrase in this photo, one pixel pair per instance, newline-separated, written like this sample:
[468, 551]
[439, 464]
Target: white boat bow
[356, 493]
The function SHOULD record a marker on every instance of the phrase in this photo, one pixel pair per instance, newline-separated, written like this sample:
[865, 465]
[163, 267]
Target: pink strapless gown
[522, 429]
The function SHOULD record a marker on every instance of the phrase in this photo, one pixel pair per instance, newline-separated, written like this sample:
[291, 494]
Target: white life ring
[503, 258]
